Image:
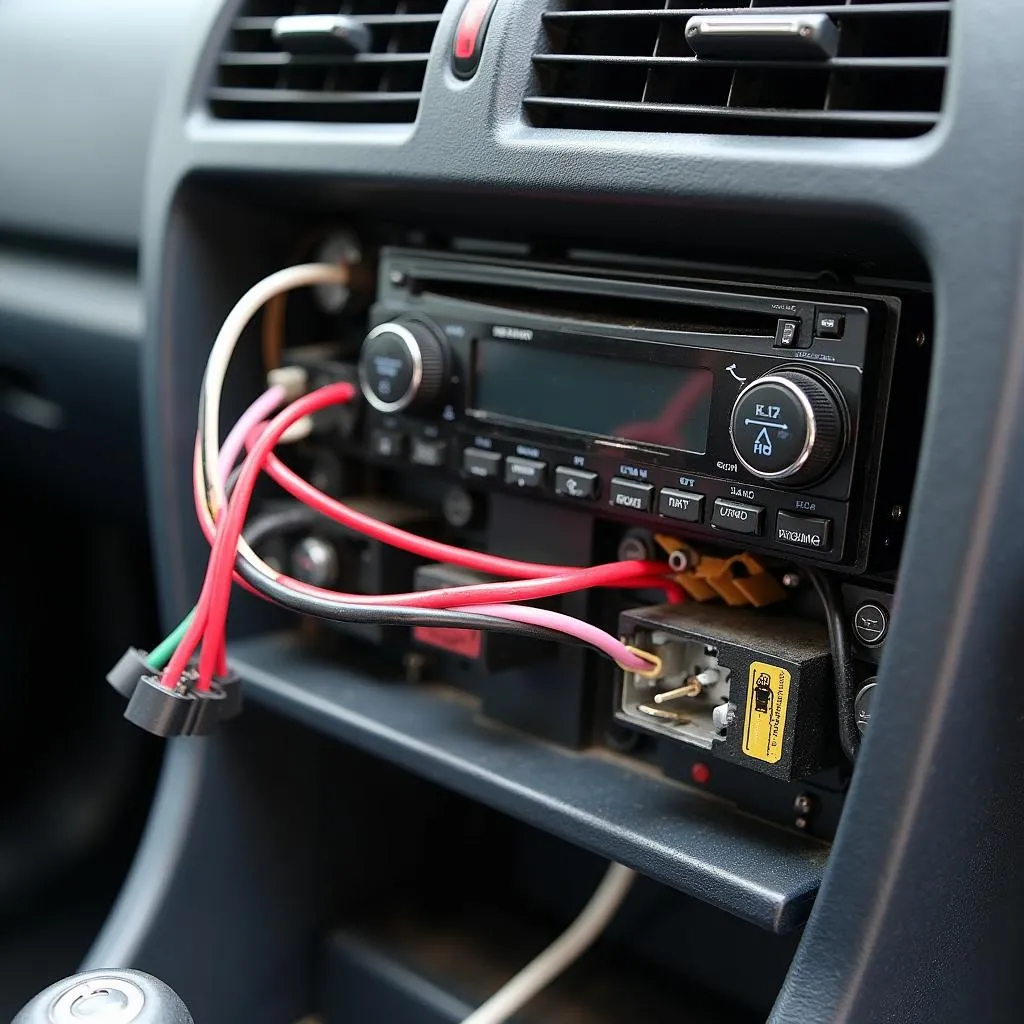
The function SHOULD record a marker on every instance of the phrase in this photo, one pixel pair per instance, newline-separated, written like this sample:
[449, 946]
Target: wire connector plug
[231, 686]
[183, 710]
[126, 675]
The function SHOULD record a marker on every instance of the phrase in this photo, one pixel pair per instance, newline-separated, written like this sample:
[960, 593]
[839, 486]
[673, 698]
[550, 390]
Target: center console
[614, 300]
[760, 435]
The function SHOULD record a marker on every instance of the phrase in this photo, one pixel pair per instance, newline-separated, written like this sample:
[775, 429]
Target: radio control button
[681, 505]
[575, 483]
[803, 531]
[871, 623]
[428, 452]
[737, 517]
[787, 334]
[387, 444]
[524, 472]
[402, 367]
[632, 495]
[829, 325]
[482, 464]
[788, 426]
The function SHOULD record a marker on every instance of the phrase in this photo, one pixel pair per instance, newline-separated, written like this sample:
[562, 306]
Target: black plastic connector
[231, 686]
[129, 671]
[183, 711]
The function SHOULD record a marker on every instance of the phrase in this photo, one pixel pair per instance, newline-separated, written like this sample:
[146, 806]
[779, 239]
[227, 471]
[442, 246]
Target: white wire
[301, 276]
[562, 953]
[212, 487]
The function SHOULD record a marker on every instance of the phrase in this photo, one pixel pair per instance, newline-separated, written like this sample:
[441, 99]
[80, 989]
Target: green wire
[161, 654]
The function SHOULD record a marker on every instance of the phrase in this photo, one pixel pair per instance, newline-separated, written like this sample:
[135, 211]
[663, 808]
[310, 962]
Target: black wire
[340, 611]
[842, 670]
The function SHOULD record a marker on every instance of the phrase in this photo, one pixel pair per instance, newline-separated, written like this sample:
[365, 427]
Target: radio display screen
[649, 403]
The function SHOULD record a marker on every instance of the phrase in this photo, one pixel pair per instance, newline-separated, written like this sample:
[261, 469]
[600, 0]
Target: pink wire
[605, 642]
[271, 399]
[260, 410]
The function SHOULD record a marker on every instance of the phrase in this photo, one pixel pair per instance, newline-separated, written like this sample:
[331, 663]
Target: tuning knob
[402, 367]
[788, 426]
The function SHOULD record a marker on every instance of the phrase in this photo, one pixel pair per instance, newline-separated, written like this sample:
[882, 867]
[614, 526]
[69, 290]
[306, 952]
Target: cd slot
[668, 313]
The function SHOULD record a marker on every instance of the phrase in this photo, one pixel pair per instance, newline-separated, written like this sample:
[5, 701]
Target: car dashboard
[719, 305]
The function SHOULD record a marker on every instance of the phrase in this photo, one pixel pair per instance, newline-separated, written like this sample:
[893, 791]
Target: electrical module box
[752, 688]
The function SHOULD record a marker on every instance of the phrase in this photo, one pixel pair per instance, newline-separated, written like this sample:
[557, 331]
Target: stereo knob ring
[402, 367]
[788, 427]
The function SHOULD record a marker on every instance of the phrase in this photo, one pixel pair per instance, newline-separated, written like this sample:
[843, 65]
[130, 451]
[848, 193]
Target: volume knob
[402, 367]
[788, 426]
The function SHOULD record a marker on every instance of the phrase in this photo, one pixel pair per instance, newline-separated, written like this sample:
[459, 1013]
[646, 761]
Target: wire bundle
[488, 606]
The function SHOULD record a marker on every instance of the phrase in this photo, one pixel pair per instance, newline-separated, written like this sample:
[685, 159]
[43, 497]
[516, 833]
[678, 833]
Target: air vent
[258, 78]
[625, 65]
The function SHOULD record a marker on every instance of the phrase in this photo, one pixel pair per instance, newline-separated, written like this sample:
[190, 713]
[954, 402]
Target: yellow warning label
[765, 722]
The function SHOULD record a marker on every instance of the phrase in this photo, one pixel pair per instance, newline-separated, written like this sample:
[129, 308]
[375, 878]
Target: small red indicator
[469, 36]
[700, 773]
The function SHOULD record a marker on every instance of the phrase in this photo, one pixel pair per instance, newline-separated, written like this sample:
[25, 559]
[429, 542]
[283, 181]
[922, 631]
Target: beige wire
[301, 276]
[562, 953]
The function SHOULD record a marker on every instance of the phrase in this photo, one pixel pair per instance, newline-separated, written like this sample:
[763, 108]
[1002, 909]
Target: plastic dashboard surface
[685, 839]
[80, 83]
[918, 915]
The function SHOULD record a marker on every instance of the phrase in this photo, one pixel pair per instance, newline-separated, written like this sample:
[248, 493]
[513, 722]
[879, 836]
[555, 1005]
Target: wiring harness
[184, 686]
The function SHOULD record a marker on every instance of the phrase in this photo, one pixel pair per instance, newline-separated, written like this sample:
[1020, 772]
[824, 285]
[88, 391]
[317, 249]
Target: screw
[920, 339]
[803, 805]
[678, 561]
[897, 512]
[800, 823]
[397, 278]
[791, 580]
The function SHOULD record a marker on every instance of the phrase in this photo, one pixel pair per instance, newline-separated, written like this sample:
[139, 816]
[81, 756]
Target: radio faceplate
[754, 418]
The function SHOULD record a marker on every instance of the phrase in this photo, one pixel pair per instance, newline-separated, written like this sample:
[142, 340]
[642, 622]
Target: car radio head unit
[732, 412]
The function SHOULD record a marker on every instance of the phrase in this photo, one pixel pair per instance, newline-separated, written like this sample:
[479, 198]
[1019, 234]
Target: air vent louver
[624, 65]
[257, 78]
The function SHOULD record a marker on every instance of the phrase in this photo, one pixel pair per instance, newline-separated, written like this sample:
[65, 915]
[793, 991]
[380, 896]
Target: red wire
[222, 659]
[613, 574]
[229, 531]
[637, 573]
[190, 641]
[210, 532]
[431, 549]
[214, 599]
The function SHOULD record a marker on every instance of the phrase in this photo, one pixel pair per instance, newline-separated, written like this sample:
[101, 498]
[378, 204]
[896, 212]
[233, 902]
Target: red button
[469, 37]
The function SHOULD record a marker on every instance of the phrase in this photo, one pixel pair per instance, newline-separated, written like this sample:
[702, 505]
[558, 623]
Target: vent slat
[850, 63]
[259, 24]
[628, 67]
[246, 60]
[685, 13]
[283, 96]
[856, 116]
[256, 79]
